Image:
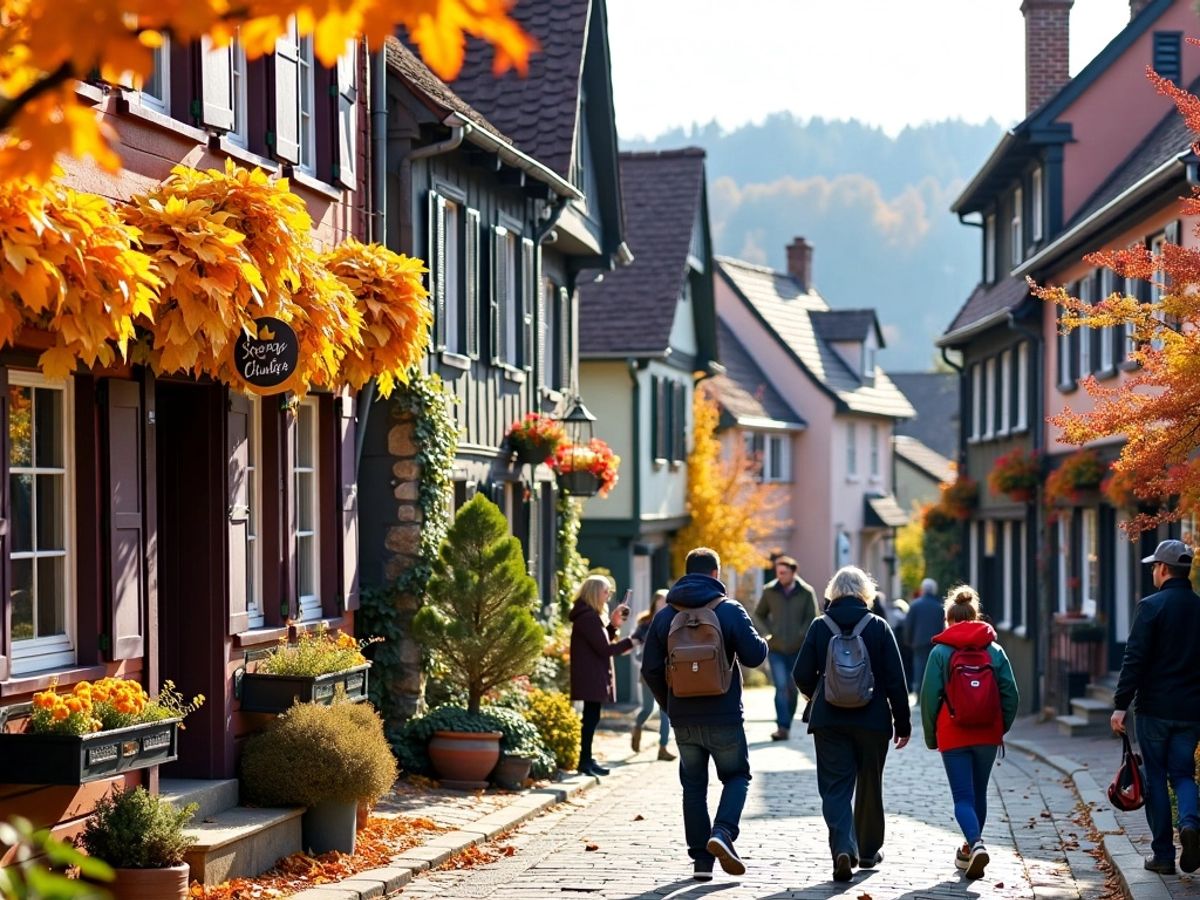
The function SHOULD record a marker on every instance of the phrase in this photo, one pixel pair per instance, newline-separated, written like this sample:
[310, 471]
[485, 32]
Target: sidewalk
[1091, 762]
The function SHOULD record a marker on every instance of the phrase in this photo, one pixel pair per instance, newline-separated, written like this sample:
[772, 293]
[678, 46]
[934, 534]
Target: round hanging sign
[266, 360]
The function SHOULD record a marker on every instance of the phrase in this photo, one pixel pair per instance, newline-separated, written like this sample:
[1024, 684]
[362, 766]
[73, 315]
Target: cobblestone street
[623, 840]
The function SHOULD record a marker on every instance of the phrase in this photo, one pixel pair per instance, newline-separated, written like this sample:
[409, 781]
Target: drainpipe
[635, 366]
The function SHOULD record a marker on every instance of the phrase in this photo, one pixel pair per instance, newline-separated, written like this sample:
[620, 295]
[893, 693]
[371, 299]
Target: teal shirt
[935, 679]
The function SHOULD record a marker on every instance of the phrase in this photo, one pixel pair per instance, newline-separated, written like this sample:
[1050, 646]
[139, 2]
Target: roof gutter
[511, 156]
[1139, 191]
[950, 338]
[984, 171]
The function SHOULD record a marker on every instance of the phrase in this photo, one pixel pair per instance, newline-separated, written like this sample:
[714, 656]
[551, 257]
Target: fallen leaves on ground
[377, 843]
[479, 855]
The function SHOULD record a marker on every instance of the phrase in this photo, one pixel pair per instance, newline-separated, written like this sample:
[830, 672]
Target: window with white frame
[1064, 354]
[1123, 581]
[874, 450]
[989, 249]
[240, 133]
[1131, 290]
[305, 471]
[868, 356]
[1063, 528]
[511, 311]
[1089, 567]
[1006, 378]
[973, 552]
[1016, 232]
[851, 449]
[777, 458]
[976, 401]
[41, 528]
[1108, 335]
[1087, 293]
[306, 94]
[156, 89]
[989, 397]
[1007, 595]
[254, 599]
[1035, 205]
[1022, 385]
[1156, 288]
[451, 279]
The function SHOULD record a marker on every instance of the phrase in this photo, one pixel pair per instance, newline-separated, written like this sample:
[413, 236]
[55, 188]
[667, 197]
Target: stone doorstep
[211, 795]
[242, 842]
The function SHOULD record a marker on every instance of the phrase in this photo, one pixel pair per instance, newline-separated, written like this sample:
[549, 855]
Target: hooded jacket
[887, 711]
[1159, 667]
[593, 645]
[941, 731]
[743, 646]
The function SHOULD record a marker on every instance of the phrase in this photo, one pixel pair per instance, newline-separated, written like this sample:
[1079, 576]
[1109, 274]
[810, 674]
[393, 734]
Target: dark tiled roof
[539, 110]
[633, 308]
[787, 311]
[743, 391]
[844, 324]
[988, 300]
[921, 457]
[934, 395]
[1169, 139]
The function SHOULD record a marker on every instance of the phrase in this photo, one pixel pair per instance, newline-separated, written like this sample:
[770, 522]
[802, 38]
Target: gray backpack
[849, 681]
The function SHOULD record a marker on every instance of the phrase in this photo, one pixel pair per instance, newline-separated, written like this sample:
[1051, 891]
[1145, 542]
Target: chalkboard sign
[266, 360]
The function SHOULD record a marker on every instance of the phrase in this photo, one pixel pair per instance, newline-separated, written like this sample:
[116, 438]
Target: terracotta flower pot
[150, 884]
[464, 759]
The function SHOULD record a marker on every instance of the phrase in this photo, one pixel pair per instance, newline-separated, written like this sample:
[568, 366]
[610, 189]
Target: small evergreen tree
[478, 618]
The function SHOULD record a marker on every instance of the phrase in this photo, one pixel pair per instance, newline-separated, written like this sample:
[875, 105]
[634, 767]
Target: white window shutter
[216, 85]
[287, 99]
[347, 115]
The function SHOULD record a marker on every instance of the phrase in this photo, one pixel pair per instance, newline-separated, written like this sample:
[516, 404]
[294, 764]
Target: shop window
[305, 475]
[40, 533]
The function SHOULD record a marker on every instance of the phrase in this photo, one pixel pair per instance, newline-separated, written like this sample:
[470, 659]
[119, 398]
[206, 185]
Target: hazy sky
[888, 62]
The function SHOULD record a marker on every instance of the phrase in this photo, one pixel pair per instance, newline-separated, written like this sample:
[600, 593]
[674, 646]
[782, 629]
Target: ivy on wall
[572, 566]
[384, 612]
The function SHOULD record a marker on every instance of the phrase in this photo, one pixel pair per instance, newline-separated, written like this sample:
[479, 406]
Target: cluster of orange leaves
[179, 273]
[46, 44]
[380, 840]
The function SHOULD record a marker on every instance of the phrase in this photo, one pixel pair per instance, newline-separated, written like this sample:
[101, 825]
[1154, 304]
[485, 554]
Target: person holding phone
[594, 643]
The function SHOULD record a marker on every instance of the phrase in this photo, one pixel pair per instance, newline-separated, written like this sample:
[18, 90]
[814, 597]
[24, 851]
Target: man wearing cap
[1159, 672]
[786, 608]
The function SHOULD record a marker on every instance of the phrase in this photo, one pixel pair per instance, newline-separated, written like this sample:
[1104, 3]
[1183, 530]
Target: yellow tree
[46, 45]
[731, 510]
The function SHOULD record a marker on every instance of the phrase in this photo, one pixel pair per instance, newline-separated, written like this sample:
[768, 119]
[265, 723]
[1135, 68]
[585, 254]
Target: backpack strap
[830, 624]
[861, 625]
[713, 604]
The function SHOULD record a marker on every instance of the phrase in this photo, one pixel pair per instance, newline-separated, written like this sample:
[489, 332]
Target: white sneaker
[978, 860]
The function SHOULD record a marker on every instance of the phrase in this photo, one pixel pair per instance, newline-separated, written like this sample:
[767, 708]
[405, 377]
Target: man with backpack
[691, 662]
[849, 667]
[1159, 675]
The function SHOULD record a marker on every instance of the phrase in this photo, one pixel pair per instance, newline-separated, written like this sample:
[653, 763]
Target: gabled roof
[786, 312]
[921, 457]
[988, 305]
[539, 110]
[632, 309]
[847, 325]
[934, 395]
[744, 391]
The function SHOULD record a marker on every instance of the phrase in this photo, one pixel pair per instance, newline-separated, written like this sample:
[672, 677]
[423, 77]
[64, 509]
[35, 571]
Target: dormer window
[989, 249]
[1015, 231]
[868, 357]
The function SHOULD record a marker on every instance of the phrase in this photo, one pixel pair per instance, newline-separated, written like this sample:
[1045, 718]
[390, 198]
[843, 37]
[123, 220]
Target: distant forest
[876, 209]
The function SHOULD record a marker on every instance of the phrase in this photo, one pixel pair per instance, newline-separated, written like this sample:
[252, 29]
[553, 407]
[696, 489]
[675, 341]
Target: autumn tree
[1156, 409]
[47, 45]
[731, 510]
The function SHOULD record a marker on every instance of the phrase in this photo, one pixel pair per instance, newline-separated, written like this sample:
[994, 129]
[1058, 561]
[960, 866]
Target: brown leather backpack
[697, 665]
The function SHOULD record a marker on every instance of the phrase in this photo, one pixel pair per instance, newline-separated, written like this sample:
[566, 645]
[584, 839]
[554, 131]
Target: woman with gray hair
[850, 671]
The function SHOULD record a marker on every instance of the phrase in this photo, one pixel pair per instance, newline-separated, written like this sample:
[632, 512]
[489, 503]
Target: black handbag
[1127, 791]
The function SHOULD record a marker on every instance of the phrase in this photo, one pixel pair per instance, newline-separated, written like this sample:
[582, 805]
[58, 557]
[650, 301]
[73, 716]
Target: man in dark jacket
[1159, 674]
[786, 608]
[707, 727]
[926, 618]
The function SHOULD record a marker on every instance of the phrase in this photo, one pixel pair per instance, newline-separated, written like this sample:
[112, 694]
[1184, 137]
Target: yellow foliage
[70, 268]
[731, 511]
[45, 44]
[395, 308]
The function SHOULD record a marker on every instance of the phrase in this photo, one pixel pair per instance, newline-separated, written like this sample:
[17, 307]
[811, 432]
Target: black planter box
[276, 693]
[70, 759]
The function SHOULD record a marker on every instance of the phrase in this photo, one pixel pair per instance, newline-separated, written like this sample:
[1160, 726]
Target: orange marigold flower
[59, 713]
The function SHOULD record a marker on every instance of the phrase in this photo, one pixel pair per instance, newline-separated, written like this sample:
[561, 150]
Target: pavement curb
[389, 881]
[1136, 881]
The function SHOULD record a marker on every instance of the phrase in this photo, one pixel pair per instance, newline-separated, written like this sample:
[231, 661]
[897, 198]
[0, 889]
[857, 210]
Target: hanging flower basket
[1016, 474]
[596, 461]
[1080, 471]
[579, 484]
[535, 438]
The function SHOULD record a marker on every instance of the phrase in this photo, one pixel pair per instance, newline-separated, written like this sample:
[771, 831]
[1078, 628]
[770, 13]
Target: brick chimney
[799, 262]
[1047, 49]
[1136, 6]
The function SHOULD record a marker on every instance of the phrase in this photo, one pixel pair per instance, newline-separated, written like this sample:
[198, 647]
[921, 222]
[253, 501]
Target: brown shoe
[780, 734]
[666, 755]
[635, 740]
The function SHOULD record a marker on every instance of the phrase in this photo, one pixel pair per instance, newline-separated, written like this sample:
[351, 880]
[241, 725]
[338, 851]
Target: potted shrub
[315, 669]
[478, 623]
[1017, 474]
[586, 471]
[535, 438]
[96, 730]
[327, 758]
[142, 837]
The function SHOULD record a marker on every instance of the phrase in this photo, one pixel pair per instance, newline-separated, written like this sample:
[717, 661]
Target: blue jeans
[664, 724]
[786, 693]
[726, 746]
[1168, 749]
[968, 770]
[850, 768]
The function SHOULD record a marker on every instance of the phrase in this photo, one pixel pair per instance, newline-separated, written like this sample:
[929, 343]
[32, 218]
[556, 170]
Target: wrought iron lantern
[574, 476]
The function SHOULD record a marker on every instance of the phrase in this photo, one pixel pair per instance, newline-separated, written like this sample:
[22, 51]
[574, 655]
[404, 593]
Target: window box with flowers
[1016, 474]
[586, 471]
[1080, 471]
[98, 730]
[318, 668]
[535, 438]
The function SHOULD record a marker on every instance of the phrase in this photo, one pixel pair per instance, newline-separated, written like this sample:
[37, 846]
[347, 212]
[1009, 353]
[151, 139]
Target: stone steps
[1093, 711]
[1073, 726]
[212, 796]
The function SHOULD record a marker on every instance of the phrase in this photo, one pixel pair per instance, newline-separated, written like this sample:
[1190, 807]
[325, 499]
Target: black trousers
[850, 765]
[591, 718]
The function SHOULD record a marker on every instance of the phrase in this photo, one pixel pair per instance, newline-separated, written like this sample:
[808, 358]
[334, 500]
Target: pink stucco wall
[1078, 400]
[1117, 111]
